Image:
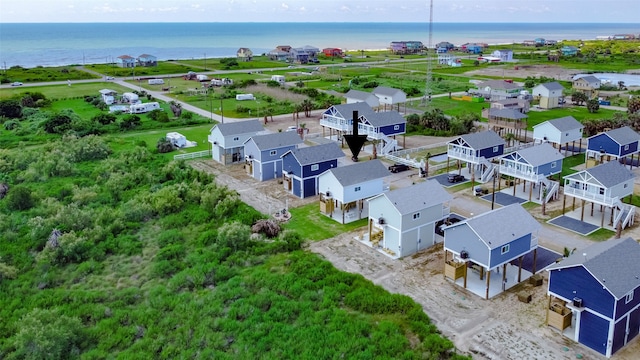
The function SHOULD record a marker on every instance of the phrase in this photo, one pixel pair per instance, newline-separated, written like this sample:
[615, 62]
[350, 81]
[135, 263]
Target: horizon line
[319, 22]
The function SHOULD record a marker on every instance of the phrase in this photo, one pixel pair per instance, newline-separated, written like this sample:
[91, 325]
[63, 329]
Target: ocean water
[56, 44]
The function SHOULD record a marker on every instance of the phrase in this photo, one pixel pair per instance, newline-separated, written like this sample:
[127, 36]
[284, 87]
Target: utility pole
[427, 90]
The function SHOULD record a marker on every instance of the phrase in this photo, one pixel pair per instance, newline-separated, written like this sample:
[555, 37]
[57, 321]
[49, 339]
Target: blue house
[301, 167]
[474, 49]
[534, 165]
[263, 153]
[383, 126]
[299, 55]
[227, 140]
[569, 51]
[613, 144]
[594, 295]
[487, 244]
[476, 149]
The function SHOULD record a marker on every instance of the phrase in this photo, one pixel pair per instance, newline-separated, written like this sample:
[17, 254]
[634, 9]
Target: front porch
[341, 212]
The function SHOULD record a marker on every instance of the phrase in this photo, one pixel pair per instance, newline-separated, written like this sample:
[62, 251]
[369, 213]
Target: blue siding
[322, 167]
[593, 332]
[289, 164]
[309, 187]
[578, 282]
[633, 148]
[634, 324]
[619, 333]
[604, 142]
[517, 247]
[546, 169]
[622, 308]
[297, 188]
[488, 153]
[389, 131]
[267, 171]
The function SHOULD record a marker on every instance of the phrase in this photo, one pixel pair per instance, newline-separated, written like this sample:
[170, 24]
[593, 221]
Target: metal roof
[483, 139]
[613, 263]
[610, 173]
[418, 197]
[358, 95]
[317, 154]
[384, 118]
[501, 226]
[360, 172]
[276, 140]
[623, 135]
[240, 127]
[565, 123]
[540, 154]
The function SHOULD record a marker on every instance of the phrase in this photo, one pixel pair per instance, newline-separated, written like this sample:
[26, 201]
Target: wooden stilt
[564, 202]
[530, 189]
[504, 277]
[465, 275]
[535, 260]
[582, 211]
[520, 268]
[592, 204]
[486, 296]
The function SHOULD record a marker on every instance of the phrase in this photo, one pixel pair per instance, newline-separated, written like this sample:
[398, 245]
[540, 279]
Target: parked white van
[156, 81]
[245, 97]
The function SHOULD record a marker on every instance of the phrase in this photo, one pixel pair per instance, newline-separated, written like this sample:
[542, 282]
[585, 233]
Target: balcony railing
[461, 155]
[588, 195]
[528, 174]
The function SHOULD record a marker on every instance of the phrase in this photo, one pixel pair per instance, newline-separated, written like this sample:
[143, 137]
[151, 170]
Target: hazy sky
[319, 11]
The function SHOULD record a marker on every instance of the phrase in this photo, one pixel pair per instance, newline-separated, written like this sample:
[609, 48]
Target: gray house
[263, 153]
[227, 140]
[485, 245]
[558, 132]
[403, 221]
[549, 94]
[390, 96]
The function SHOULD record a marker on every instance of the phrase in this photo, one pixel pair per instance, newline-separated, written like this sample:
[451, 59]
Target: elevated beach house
[390, 96]
[497, 90]
[343, 190]
[534, 165]
[605, 185]
[301, 167]
[594, 295]
[406, 47]
[354, 96]
[227, 140]
[263, 153]
[147, 60]
[244, 54]
[482, 248]
[559, 132]
[402, 221]
[332, 52]
[476, 150]
[548, 94]
[588, 84]
[125, 61]
[617, 144]
[503, 54]
[280, 53]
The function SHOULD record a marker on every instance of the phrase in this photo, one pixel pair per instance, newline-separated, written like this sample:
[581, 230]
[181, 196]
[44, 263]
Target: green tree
[19, 198]
[104, 119]
[164, 145]
[10, 108]
[529, 83]
[633, 105]
[578, 98]
[130, 122]
[158, 115]
[593, 105]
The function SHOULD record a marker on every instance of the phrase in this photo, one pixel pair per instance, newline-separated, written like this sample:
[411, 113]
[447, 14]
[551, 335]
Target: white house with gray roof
[227, 140]
[484, 246]
[605, 185]
[548, 94]
[497, 90]
[353, 96]
[558, 132]
[390, 96]
[344, 189]
[535, 165]
[263, 153]
[594, 295]
[403, 221]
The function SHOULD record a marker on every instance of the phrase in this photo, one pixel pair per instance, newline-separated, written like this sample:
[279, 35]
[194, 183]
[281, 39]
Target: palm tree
[164, 145]
[509, 137]
[307, 106]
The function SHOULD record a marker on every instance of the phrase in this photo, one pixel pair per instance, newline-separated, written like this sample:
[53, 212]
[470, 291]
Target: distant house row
[127, 61]
[300, 55]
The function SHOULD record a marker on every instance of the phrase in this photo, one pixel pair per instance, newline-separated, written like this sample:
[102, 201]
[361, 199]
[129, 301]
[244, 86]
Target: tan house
[244, 54]
[548, 94]
[588, 85]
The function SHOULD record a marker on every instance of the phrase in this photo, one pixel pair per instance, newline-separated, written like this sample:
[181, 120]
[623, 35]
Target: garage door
[593, 332]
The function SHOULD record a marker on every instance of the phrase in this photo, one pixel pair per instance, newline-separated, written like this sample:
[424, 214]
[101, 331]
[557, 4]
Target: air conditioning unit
[464, 254]
[381, 221]
[577, 302]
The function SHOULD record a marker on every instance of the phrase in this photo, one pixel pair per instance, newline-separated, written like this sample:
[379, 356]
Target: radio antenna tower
[427, 91]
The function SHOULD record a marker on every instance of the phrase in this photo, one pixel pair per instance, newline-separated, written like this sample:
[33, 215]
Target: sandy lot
[499, 328]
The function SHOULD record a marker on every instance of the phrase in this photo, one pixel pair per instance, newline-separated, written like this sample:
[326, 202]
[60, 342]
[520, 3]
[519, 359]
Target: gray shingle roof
[501, 226]
[540, 154]
[417, 197]
[240, 127]
[317, 154]
[613, 263]
[566, 123]
[385, 118]
[623, 135]
[386, 91]
[610, 173]
[554, 85]
[346, 110]
[589, 78]
[498, 84]
[360, 172]
[358, 95]
[507, 114]
[276, 140]
[483, 139]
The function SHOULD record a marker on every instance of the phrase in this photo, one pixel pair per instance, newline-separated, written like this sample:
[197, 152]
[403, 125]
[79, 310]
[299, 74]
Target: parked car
[17, 83]
[108, 77]
[396, 168]
[479, 191]
[292, 128]
[455, 178]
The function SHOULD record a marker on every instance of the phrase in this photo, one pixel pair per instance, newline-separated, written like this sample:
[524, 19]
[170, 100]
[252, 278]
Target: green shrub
[19, 198]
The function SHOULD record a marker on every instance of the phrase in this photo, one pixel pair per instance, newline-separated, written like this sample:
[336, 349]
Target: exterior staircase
[624, 213]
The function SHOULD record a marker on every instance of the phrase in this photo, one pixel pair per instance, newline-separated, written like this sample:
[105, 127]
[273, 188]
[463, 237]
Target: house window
[626, 147]
[357, 188]
[601, 191]
[625, 186]
[553, 165]
[495, 149]
[236, 138]
[416, 216]
[315, 167]
[396, 127]
[273, 152]
[628, 298]
[505, 249]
